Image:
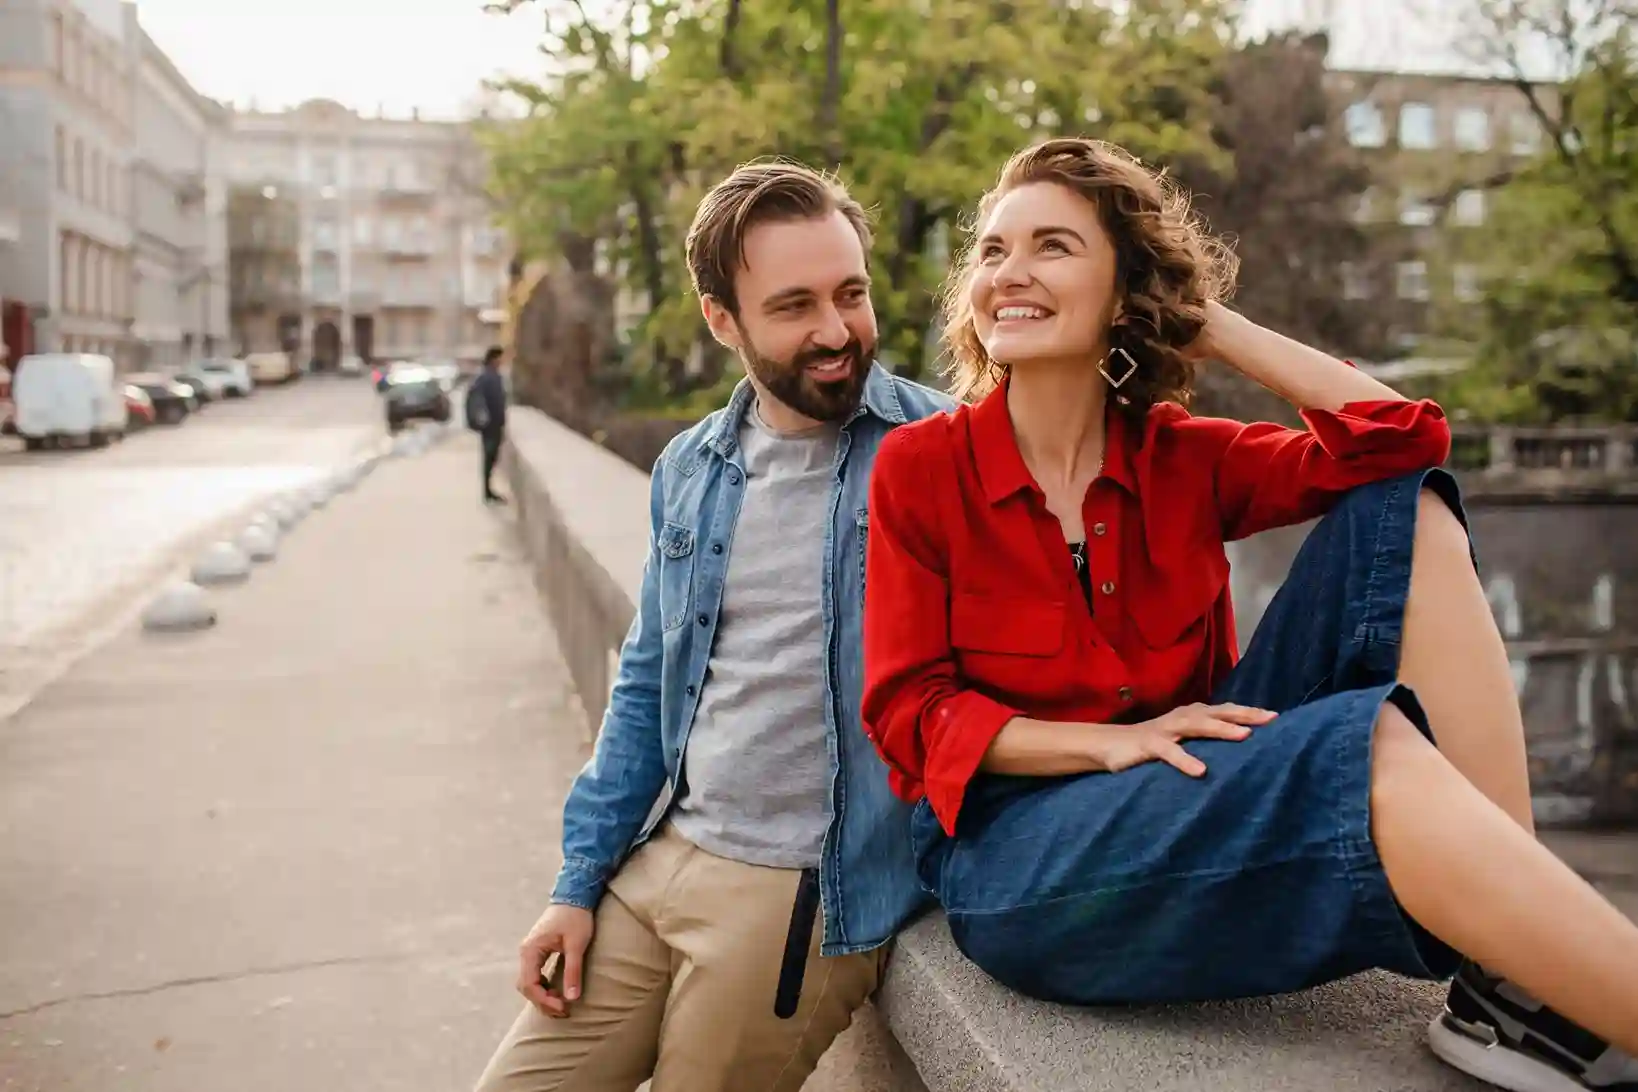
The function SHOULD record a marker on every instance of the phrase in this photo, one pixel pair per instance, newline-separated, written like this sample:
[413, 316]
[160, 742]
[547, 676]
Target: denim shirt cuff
[579, 883]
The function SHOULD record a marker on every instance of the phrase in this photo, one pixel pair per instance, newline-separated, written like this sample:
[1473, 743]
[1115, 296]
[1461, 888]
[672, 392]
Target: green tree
[916, 103]
[1556, 330]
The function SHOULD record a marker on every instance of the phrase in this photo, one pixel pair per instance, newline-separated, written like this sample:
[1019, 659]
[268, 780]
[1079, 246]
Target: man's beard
[790, 382]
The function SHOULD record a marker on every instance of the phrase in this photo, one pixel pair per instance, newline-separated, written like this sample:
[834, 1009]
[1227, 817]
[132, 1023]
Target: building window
[114, 203]
[1365, 124]
[361, 230]
[1413, 280]
[1356, 284]
[1525, 134]
[1468, 211]
[94, 180]
[1418, 126]
[91, 281]
[1472, 129]
[65, 264]
[1465, 282]
[62, 159]
[1416, 211]
[79, 170]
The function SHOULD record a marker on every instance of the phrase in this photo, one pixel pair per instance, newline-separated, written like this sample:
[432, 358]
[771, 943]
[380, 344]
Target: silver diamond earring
[1131, 367]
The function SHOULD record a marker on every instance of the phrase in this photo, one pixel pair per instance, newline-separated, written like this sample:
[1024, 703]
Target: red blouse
[973, 610]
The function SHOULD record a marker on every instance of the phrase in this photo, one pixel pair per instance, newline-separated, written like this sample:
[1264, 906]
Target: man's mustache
[853, 351]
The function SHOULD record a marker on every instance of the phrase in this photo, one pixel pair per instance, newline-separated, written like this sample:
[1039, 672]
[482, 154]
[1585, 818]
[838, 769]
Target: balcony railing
[1539, 457]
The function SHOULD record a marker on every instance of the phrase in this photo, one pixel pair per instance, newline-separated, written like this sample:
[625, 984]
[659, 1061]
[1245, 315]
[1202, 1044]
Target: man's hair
[492, 354]
[760, 192]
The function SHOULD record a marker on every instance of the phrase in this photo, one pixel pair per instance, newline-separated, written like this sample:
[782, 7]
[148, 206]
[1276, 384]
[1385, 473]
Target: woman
[1108, 807]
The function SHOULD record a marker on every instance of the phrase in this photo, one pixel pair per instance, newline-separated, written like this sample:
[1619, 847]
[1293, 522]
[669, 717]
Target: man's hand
[566, 931]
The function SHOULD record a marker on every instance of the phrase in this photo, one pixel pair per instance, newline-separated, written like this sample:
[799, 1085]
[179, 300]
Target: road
[81, 532]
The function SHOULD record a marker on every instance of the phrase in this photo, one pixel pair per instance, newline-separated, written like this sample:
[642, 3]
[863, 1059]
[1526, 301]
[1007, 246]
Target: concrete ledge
[584, 514]
[965, 1033]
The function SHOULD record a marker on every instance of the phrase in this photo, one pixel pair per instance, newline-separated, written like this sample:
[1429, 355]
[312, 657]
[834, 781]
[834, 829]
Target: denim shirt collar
[881, 399]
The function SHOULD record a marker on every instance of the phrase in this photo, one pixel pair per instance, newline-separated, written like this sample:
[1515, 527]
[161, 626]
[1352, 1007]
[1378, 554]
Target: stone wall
[1554, 514]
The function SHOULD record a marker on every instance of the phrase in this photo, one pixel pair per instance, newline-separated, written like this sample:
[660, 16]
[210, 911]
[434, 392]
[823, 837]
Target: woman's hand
[1122, 746]
[1205, 345]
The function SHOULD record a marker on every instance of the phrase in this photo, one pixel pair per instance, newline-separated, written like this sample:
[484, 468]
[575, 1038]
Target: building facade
[1435, 145]
[365, 236]
[67, 68]
[179, 217]
[107, 225]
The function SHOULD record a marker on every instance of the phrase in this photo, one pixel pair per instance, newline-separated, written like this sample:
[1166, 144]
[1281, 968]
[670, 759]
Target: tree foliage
[916, 102]
[1557, 329]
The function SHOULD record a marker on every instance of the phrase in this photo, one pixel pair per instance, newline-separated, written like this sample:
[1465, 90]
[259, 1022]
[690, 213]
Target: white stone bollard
[259, 542]
[221, 563]
[179, 608]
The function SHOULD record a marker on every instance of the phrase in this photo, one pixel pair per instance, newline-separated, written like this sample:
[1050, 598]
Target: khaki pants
[679, 986]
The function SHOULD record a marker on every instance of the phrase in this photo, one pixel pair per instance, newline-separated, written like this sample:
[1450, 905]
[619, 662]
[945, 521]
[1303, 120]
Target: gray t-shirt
[757, 768]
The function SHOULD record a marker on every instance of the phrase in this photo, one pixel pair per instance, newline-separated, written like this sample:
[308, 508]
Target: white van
[68, 398]
[266, 368]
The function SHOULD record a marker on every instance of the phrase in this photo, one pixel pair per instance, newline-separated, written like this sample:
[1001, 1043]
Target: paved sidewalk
[295, 851]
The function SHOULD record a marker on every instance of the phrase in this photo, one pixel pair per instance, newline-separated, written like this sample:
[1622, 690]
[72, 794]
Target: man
[737, 703]
[486, 415]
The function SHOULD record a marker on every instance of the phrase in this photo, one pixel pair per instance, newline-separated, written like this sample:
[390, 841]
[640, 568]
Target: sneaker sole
[1497, 1065]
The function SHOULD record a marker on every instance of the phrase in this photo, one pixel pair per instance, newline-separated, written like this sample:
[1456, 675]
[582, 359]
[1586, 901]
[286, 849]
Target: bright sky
[434, 54]
[396, 54]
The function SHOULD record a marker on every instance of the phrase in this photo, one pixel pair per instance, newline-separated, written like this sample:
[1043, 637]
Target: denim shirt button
[689, 690]
[733, 477]
[703, 620]
[716, 547]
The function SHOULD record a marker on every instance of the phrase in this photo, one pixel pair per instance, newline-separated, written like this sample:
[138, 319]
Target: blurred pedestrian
[486, 415]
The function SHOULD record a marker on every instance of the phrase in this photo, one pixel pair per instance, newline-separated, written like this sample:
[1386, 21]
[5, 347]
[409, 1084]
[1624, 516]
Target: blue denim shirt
[867, 872]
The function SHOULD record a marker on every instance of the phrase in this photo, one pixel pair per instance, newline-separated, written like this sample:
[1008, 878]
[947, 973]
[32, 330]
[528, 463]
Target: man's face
[805, 328]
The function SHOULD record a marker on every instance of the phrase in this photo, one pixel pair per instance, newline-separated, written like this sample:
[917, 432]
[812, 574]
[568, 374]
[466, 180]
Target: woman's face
[1043, 284]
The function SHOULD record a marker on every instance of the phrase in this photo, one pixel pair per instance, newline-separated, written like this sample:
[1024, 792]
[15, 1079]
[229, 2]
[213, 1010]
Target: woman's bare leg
[1473, 877]
[1452, 655]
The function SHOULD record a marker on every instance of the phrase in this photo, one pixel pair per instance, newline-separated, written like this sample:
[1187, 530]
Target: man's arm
[614, 792]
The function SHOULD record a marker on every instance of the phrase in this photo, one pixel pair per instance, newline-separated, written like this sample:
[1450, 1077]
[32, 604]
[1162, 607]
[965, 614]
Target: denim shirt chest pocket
[676, 549]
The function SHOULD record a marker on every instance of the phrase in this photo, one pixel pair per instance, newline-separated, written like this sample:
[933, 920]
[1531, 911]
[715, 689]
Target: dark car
[201, 393]
[414, 393]
[172, 401]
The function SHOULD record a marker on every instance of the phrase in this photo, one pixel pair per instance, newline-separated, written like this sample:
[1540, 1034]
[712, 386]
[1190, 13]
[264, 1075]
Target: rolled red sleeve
[930, 730]
[1272, 476]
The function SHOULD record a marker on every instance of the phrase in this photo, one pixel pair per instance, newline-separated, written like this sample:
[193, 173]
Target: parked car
[172, 400]
[139, 408]
[271, 368]
[383, 373]
[415, 393]
[230, 377]
[68, 398]
[201, 392]
[351, 365]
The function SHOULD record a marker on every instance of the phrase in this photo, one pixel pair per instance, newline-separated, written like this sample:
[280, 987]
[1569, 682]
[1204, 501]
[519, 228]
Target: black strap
[804, 912]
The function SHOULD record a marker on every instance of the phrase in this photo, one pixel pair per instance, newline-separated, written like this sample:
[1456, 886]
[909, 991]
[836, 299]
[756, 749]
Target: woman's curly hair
[1167, 266]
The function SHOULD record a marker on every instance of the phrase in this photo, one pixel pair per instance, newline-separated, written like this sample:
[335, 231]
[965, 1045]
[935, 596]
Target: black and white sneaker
[1498, 1033]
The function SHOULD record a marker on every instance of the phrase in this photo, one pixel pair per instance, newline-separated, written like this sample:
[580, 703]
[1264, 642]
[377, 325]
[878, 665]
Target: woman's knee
[1399, 749]
[1439, 531]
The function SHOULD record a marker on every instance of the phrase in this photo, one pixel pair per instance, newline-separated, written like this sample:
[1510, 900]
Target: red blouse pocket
[1005, 626]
